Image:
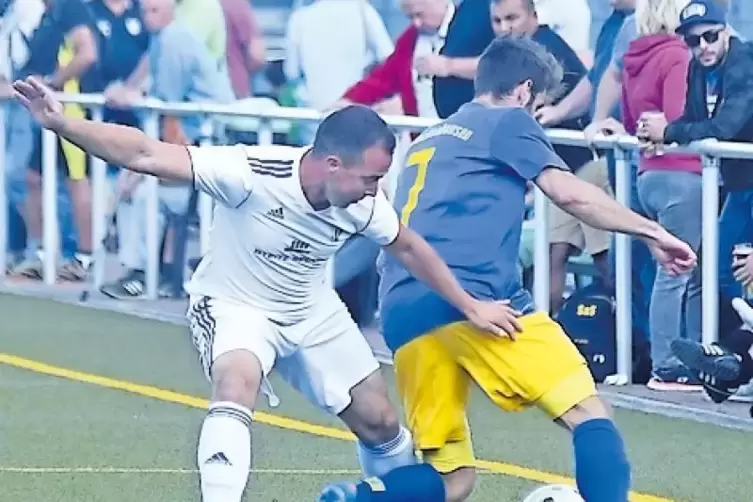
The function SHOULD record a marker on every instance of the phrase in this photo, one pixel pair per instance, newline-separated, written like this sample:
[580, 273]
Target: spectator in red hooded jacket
[654, 79]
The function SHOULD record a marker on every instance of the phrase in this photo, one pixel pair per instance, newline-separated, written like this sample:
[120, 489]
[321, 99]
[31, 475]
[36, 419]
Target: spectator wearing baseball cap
[700, 12]
[718, 105]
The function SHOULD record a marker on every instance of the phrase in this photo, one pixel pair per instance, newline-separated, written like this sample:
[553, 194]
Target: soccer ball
[554, 493]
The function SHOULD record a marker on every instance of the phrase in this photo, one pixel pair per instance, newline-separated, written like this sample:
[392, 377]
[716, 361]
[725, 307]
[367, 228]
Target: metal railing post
[710, 250]
[205, 201]
[623, 276]
[541, 250]
[153, 258]
[49, 207]
[3, 196]
[99, 205]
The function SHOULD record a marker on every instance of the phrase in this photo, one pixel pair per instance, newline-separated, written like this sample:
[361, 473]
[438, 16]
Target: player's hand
[40, 101]
[498, 318]
[676, 256]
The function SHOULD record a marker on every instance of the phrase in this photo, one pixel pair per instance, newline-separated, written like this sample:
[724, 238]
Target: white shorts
[323, 356]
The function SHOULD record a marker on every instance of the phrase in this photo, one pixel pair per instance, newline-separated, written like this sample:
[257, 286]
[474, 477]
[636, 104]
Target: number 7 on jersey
[421, 160]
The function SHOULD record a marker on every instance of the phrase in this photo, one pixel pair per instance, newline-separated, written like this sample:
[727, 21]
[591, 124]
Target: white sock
[224, 452]
[379, 460]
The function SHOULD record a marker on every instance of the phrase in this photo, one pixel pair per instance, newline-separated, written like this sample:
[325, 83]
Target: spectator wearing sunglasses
[719, 104]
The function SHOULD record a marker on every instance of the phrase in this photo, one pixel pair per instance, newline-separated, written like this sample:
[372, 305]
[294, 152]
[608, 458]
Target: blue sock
[602, 470]
[411, 483]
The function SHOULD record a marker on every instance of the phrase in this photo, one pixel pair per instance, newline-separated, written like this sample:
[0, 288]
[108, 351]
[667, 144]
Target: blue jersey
[463, 190]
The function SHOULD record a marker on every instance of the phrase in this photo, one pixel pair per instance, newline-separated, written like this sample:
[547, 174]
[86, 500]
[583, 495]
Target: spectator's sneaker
[717, 390]
[167, 290]
[129, 287]
[339, 492]
[73, 270]
[743, 395]
[711, 359]
[678, 379]
[30, 267]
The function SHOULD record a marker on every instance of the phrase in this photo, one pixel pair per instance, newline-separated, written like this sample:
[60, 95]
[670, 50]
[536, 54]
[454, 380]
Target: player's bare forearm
[593, 206]
[128, 147]
[420, 259]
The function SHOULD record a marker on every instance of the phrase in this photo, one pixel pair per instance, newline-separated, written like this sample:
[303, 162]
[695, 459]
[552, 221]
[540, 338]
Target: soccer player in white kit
[260, 298]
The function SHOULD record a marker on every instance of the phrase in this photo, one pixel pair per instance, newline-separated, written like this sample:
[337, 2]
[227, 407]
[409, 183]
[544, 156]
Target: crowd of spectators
[664, 70]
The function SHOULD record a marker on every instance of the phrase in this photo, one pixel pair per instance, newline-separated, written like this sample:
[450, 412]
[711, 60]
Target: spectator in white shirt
[330, 45]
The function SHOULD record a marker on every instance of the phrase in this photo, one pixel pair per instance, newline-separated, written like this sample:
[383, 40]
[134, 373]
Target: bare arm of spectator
[138, 75]
[463, 67]
[575, 104]
[250, 37]
[608, 93]
[84, 48]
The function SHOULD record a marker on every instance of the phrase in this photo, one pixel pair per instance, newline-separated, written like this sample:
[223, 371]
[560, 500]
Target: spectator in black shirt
[123, 41]
[719, 105]
[467, 36]
[66, 31]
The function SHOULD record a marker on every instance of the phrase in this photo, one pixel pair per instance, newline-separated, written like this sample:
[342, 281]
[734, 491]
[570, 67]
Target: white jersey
[268, 247]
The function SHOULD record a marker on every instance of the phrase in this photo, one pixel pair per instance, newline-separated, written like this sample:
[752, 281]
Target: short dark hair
[350, 131]
[509, 61]
[530, 5]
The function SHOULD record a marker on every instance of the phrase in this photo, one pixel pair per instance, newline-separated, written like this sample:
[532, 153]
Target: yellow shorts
[434, 372]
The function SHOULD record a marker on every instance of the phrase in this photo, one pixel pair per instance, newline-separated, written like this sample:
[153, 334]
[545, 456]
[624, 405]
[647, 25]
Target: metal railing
[623, 146]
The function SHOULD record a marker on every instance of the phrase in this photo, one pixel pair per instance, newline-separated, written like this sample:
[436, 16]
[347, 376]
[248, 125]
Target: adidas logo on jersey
[337, 233]
[298, 246]
[218, 458]
[276, 213]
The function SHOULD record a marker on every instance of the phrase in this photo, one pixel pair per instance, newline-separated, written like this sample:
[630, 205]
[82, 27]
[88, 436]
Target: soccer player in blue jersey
[463, 190]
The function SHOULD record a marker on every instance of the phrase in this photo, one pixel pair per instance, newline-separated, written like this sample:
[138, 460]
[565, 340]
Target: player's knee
[371, 415]
[236, 377]
[459, 484]
[589, 409]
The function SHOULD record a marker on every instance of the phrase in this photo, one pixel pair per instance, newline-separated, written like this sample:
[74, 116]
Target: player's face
[511, 17]
[349, 184]
[708, 42]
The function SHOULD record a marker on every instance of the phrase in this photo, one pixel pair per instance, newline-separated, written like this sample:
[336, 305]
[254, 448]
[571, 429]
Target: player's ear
[333, 163]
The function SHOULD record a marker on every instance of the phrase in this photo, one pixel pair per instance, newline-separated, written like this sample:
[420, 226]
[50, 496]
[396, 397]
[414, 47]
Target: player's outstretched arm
[116, 144]
[420, 259]
[594, 207]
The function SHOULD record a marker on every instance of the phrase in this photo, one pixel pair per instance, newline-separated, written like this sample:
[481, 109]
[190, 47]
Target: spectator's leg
[178, 202]
[735, 226]
[643, 268]
[565, 239]
[559, 253]
[598, 242]
[356, 278]
[133, 246]
[675, 199]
